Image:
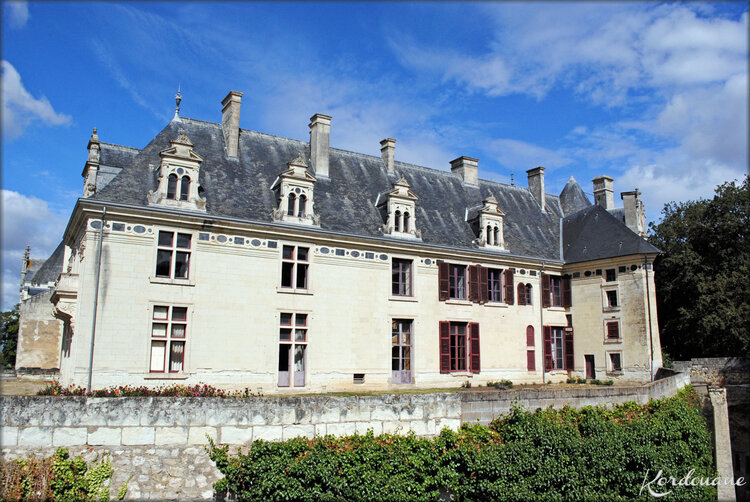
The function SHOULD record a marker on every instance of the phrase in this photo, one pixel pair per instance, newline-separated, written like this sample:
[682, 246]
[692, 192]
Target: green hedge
[568, 454]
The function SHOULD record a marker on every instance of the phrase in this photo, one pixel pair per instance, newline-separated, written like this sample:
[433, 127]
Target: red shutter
[484, 294]
[521, 294]
[567, 296]
[545, 290]
[529, 336]
[474, 365]
[548, 348]
[443, 281]
[473, 283]
[445, 347]
[530, 360]
[508, 286]
[568, 341]
[613, 331]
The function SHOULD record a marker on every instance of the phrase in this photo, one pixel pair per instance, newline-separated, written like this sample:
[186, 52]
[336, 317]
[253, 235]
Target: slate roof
[52, 267]
[593, 233]
[346, 201]
[572, 198]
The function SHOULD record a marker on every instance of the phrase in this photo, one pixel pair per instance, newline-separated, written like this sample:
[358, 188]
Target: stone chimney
[387, 151]
[604, 194]
[320, 137]
[230, 122]
[536, 184]
[467, 168]
[635, 216]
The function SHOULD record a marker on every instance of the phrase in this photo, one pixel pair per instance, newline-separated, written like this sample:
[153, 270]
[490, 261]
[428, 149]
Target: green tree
[8, 337]
[703, 277]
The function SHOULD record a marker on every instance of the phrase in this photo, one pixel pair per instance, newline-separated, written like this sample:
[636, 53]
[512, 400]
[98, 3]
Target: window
[529, 336]
[294, 267]
[302, 206]
[399, 220]
[495, 285]
[556, 291]
[615, 362]
[558, 348]
[290, 204]
[528, 294]
[173, 255]
[459, 347]
[611, 275]
[184, 188]
[401, 350]
[292, 349]
[613, 331]
[168, 334]
[457, 282]
[521, 293]
[611, 298]
[401, 277]
[406, 221]
[172, 186]
[531, 360]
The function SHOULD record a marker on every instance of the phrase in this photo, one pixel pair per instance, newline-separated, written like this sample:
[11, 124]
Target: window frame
[607, 337]
[406, 284]
[456, 283]
[400, 345]
[555, 291]
[293, 342]
[169, 339]
[295, 263]
[497, 297]
[610, 366]
[173, 250]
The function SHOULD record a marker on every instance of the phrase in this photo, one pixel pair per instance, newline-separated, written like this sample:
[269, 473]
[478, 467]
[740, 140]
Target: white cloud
[520, 155]
[20, 108]
[18, 13]
[26, 221]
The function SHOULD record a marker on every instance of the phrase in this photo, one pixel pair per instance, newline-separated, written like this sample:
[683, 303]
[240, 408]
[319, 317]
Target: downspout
[96, 298]
[541, 326]
[650, 333]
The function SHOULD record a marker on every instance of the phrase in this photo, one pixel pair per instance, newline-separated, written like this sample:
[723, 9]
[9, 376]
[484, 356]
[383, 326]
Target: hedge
[566, 454]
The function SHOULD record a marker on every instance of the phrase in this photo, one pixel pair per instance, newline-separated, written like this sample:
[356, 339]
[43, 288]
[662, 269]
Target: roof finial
[178, 100]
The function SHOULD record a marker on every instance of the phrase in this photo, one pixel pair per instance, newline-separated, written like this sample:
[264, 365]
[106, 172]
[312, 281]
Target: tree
[8, 338]
[703, 278]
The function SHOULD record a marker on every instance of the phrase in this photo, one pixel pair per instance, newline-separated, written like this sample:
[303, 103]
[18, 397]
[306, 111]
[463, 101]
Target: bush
[586, 454]
[175, 390]
[56, 478]
[502, 384]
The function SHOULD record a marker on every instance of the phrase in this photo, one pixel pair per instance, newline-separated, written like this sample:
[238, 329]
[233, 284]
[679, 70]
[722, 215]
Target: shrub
[586, 454]
[175, 390]
[502, 384]
[580, 380]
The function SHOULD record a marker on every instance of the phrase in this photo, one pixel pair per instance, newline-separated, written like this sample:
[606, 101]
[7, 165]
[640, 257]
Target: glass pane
[286, 319]
[285, 334]
[406, 338]
[395, 278]
[181, 265]
[178, 330]
[395, 353]
[394, 338]
[301, 320]
[406, 357]
[184, 188]
[176, 356]
[300, 335]
[160, 312]
[163, 263]
[299, 358]
[395, 364]
[157, 355]
[159, 329]
[288, 252]
[301, 276]
[179, 313]
[406, 278]
[165, 238]
[183, 241]
[171, 186]
[301, 254]
[284, 357]
[286, 274]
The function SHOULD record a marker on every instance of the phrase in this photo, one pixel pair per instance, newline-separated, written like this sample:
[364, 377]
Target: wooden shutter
[443, 281]
[508, 286]
[613, 331]
[568, 343]
[529, 336]
[445, 347]
[530, 360]
[548, 348]
[474, 365]
[484, 294]
[521, 294]
[567, 296]
[473, 283]
[545, 291]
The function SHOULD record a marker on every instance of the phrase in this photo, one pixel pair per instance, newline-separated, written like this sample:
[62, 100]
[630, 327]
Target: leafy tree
[8, 337]
[703, 277]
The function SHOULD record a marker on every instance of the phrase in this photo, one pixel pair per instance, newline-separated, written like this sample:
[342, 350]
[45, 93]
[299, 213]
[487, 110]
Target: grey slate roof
[572, 198]
[346, 201]
[51, 268]
[593, 233]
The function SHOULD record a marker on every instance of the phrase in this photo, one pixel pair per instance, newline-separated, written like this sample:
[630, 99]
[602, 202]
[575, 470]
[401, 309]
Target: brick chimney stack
[320, 137]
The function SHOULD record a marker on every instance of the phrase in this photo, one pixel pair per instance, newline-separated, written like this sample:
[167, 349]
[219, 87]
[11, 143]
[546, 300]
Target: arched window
[529, 335]
[290, 205]
[172, 187]
[521, 294]
[496, 238]
[488, 238]
[184, 188]
[302, 206]
[406, 221]
[528, 294]
[397, 223]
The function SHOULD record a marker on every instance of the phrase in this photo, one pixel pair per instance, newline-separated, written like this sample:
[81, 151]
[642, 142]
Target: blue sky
[654, 95]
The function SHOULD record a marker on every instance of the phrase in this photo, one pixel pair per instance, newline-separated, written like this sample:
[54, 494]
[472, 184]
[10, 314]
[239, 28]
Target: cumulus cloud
[26, 221]
[20, 108]
[18, 13]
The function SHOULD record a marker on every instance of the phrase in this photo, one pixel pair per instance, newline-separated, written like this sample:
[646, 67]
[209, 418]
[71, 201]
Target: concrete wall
[39, 335]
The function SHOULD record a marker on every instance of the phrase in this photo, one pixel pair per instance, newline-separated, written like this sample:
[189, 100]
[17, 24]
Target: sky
[654, 95]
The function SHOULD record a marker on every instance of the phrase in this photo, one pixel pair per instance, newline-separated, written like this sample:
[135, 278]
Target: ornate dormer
[488, 225]
[400, 210]
[178, 176]
[294, 191]
[91, 169]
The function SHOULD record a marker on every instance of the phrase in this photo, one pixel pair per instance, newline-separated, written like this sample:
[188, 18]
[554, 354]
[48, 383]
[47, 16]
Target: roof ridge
[120, 146]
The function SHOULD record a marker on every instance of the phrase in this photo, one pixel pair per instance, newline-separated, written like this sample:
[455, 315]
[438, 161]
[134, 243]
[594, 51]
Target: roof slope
[572, 198]
[593, 233]
[116, 155]
[52, 267]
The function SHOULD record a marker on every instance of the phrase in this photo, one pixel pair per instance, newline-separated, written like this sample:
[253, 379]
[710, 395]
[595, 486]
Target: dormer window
[487, 222]
[180, 165]
[294, 189]
[398, 205]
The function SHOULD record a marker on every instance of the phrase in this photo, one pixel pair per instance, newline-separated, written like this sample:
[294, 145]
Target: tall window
[172, 186]
[184, 188]
[457, 282]
[401, 350]
[529, 295]
[495, 285]
[555, 283]
[401, 277]
[611, 298]
[168, 333]
[173, 255]
[615, 362]
[558, 349]
[290, 204]
[406, 221]
[294, 267]
[292, 349]
[458, 346]
[302, 206]
[397, 223]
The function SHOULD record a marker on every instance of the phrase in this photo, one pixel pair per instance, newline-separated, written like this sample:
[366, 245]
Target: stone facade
[39, 335]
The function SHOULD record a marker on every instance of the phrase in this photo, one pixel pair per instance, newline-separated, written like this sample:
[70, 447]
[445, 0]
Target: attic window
[398, 206]
[294, 190]
[179, 166]
[488, 224]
